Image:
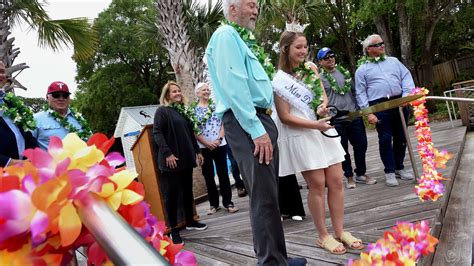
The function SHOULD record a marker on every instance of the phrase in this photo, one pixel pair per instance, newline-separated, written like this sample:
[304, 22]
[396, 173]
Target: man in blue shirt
[13, 139]
[243, 94]
[379, 79]
[58, 120]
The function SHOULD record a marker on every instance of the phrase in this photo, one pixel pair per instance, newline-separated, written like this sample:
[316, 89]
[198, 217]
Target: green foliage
[52, 33]
[36, 104]
[125, 70]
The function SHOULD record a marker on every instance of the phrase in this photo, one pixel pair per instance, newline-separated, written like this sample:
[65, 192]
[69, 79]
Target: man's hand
[199, 159]
[171, 161]
[263, 148]
[372, 119]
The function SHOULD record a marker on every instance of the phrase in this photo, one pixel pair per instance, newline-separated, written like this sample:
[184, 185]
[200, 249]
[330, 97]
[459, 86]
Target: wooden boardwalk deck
[369, 211]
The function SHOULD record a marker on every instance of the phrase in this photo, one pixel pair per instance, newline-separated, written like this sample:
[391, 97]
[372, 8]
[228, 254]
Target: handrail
[123, 244]
[405, 128]
[450, 92]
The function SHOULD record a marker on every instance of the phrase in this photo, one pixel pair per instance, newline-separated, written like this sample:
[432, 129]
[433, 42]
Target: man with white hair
[380, 78]
[244, 97]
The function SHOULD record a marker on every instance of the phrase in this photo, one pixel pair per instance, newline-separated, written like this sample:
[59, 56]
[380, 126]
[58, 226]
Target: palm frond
[29, 11]
[78, 31]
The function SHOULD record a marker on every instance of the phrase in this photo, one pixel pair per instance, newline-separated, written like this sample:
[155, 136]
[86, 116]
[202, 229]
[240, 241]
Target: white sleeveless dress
[303, 149]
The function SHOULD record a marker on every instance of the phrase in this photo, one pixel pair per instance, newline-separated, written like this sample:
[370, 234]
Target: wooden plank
[369, 211]
[455, 246]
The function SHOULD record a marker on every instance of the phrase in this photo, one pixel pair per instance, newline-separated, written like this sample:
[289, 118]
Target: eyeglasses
[326, 58]
[57, 95]
[377, 44]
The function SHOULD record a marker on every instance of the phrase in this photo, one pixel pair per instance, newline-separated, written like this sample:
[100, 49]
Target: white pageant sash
[294, 92]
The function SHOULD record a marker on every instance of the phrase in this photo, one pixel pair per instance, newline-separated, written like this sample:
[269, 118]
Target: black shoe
[196, 226]
[241, 192]
[297, 261]
[176, 237]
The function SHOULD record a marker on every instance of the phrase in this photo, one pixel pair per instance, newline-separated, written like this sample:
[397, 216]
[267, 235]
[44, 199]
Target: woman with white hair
[213, 148]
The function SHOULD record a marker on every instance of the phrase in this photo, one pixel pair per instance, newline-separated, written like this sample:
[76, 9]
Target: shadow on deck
[369, 211]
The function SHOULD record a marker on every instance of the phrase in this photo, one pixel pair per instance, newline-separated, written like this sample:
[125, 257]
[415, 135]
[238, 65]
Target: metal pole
[449, 110]
[457, 99]
[123, 244]
[410, 148]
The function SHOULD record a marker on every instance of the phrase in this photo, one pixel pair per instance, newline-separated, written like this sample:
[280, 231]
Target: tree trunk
[185, 60]
[383, 28]
[434, 11]
[7, 52]
[404, 27]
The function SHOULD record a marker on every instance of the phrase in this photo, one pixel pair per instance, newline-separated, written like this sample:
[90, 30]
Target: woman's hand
[199, 159]
[171, 161]
[322, 124]
[211, 145]
[322, 110]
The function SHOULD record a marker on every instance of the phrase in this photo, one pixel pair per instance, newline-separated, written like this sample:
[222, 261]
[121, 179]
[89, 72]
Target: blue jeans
[353, 132]
[392, 142]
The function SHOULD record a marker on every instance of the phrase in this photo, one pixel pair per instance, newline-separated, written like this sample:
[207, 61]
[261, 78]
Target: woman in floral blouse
[213, 148]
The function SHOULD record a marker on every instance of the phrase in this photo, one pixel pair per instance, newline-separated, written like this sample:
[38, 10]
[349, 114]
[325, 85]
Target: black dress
[290, 200]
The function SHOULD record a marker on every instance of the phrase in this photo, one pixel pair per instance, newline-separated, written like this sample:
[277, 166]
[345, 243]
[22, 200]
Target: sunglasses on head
[327, 57]
[56, 95]
[377, 44]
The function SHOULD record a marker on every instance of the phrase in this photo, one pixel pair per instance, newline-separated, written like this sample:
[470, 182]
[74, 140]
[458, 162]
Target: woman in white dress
[302, 146]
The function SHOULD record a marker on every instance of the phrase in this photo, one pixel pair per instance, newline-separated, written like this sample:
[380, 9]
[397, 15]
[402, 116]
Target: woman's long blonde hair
[286, 39]
[165, 93]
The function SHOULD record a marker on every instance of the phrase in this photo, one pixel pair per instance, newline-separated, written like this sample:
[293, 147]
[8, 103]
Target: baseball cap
[58, 86]
[323, 52]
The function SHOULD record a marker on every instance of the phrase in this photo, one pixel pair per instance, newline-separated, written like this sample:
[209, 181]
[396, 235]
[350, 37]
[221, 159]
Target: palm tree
[186, 28]
[51, 33]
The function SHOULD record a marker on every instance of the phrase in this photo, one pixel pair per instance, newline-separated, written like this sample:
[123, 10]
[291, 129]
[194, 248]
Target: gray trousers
[261, 181]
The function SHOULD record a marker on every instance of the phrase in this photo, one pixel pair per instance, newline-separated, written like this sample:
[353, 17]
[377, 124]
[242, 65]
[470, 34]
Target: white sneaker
[296, 218]
[391, 180]
[403, 174]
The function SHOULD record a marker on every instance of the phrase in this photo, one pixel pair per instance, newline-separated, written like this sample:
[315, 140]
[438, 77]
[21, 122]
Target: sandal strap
[348, 239]
[330, 243]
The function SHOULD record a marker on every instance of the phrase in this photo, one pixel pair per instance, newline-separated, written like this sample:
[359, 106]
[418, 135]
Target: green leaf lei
[334, 86]
[85, 131]
[14, 108]
[206, 117]
[188, 113]
[249, 39]
[369, 59]
[309, 78]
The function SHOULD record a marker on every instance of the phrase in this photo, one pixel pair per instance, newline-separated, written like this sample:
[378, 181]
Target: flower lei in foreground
[40, 200]
[313, 83]
[85, 131]
[188, 113]
[370, 59]
[249, 39]
[402, 246]
[430, 185]
[210, 110]
[334, 86]
[14, 108]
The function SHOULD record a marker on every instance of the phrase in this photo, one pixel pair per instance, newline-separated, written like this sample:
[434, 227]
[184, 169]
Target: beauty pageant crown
[295, 27]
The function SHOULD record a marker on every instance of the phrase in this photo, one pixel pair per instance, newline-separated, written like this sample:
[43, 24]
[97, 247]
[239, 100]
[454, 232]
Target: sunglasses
[326, 58]
[377, 44]
[57, 95]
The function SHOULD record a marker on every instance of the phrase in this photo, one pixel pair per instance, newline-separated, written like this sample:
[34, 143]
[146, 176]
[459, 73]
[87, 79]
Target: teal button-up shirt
[238, 79]
[47, 126]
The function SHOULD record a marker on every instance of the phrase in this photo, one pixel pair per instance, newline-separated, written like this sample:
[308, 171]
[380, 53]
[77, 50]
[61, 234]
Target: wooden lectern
[148, 174]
